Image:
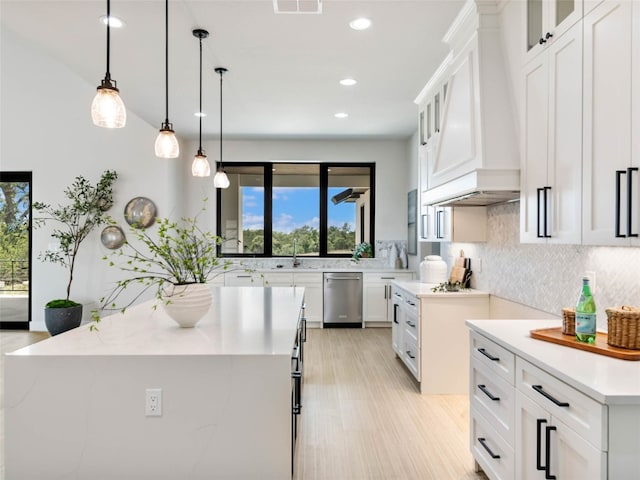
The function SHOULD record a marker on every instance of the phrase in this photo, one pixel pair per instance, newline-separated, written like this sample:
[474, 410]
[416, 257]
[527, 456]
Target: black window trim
[268, 207]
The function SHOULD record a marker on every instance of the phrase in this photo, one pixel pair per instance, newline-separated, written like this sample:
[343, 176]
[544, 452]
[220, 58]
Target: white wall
[390, 157]
[46, 128]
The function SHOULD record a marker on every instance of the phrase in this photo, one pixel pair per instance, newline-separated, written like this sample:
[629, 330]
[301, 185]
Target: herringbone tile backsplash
[548, 277]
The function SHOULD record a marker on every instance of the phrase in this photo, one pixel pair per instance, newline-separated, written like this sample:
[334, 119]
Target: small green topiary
[61, 303]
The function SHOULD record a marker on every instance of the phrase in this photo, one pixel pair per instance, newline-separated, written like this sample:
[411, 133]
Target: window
[322, 209]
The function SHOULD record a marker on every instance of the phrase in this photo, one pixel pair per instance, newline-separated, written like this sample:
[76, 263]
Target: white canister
[433, 269]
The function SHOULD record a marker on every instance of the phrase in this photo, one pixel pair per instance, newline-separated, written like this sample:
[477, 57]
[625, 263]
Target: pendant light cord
[108, 75]
[221, 73]
[200, 116]
[166, 60]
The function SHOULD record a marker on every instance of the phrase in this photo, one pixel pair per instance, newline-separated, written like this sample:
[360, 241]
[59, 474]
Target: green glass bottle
[586, 314]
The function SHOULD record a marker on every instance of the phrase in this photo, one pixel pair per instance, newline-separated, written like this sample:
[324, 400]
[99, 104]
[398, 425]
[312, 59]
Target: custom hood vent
[472, 158]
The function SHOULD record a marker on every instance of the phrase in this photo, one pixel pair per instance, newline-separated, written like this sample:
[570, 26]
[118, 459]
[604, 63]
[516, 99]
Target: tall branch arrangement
[74, 222]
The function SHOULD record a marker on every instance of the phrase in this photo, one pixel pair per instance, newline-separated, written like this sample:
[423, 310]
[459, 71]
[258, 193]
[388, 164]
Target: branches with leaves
[87, 209]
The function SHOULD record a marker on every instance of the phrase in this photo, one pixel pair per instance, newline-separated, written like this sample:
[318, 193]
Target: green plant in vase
[362, 250]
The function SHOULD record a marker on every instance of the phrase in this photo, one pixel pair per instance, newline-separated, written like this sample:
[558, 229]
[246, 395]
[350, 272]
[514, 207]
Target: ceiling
[284, 69]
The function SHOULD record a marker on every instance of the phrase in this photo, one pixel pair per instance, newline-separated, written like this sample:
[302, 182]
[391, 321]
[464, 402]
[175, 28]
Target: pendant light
[200, 166]
[107, 108]
[166, 144]
[220, 180]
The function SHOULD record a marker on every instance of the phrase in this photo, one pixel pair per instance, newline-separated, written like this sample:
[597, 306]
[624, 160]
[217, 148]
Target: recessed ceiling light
[341, 115]
[347, 82]
[200, 114]
[360, 23]
[115, 21]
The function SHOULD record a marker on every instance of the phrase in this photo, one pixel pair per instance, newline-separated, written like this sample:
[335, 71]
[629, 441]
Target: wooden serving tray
[555, 335]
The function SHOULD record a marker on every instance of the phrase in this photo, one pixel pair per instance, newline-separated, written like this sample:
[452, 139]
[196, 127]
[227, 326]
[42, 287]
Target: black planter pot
[60, 320]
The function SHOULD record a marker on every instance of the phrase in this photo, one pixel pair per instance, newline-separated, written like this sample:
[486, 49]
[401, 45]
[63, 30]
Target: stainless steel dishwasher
[342, 294]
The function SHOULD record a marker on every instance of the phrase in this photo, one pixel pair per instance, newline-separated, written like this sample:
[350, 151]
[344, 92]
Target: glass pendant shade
[220, 179]
[167, 144]
[200, 166]
[107, 108]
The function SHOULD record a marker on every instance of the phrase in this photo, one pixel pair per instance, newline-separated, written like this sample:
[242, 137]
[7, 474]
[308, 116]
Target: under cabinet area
[427, 329]
[540, 410]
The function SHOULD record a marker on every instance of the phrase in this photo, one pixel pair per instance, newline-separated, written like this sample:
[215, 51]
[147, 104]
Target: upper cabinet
[611, 185]
[467, 134]
[547, 20]
[551, 142]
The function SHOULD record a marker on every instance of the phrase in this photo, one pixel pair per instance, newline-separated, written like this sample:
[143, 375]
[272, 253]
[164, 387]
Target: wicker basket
[623, 327]
[569, 321]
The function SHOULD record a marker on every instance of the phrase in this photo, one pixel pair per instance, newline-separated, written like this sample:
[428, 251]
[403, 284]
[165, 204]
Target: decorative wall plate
[140, 212]
[112, 237]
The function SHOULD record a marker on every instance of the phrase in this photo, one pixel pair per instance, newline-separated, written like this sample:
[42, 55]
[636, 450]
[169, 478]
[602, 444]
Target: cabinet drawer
[486, 445]
[385, 277]
[496, 359]
[308, 279]
[411, 355]
[584, 415]
[494, 398]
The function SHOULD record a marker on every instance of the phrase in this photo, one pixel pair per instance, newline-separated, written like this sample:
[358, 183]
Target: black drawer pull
[547, 469]
[483, 442]
[539, 389]
[484, 390]
[539, 466]
[412, 325]
[488, 355]
[409, 354]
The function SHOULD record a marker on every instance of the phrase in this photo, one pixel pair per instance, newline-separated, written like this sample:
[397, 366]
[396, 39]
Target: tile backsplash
[547, 277]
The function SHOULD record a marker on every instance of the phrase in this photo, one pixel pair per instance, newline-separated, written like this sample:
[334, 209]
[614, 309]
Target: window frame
[323, 214]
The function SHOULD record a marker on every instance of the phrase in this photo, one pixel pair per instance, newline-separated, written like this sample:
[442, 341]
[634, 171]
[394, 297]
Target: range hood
[472, 158]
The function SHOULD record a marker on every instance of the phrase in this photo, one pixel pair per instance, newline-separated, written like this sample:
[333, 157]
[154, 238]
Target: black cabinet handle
[304, 329]
[539, 422]
[630, 200]
[483, 442]
[540, 390]
[488, 355]
[548, 35]
[409, 354]
[439, 226]
[619, 173]
[297, 405]
[546, 212]
[485, 390]
[539, 210]
[547, 454]
[395, 313]
[542, 41]
[412, 325]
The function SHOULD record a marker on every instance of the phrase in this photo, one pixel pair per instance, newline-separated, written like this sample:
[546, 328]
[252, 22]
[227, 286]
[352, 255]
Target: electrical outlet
[591, 275]
[153, 402]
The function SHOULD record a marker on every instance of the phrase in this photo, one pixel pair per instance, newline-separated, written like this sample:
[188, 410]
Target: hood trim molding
[479, 188]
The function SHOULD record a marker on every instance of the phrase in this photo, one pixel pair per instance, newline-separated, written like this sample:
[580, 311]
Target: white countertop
[354, 268]
[419, 289]
[241, 321]
[605, 379]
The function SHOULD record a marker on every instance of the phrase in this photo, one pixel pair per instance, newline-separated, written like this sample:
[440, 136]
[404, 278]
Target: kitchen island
[75, 404]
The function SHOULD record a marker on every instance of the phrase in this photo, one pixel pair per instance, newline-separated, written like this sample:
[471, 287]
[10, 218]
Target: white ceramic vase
[187, 304]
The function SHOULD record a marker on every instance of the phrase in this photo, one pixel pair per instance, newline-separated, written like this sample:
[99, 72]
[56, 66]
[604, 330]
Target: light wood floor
[362, 417]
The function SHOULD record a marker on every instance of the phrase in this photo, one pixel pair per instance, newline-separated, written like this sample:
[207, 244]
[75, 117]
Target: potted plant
[175, 262]
[362, 250]
[73, 222]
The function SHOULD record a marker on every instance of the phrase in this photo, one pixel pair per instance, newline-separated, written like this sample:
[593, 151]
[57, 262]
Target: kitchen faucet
[296, 262]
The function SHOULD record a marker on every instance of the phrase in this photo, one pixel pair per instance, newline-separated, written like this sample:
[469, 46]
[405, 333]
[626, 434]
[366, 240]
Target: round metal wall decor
[140, 212]
[112, 237]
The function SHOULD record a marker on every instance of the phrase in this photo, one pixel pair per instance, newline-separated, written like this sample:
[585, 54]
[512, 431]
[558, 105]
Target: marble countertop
[355, 268]
[605, 379]
[420, 290]
[241, 321]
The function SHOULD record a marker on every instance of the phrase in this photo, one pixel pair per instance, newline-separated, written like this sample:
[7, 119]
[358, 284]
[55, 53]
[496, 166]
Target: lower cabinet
[312, 283]
[377, 296]
[525, 424]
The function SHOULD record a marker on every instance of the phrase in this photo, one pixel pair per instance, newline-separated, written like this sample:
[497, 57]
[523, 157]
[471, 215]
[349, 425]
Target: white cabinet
[426, 335]
[377, 298]
[611, 185]
[560, 431]
[258, 279]
[453, 224]
[551, 168]
[312, 283]
[547, 20]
